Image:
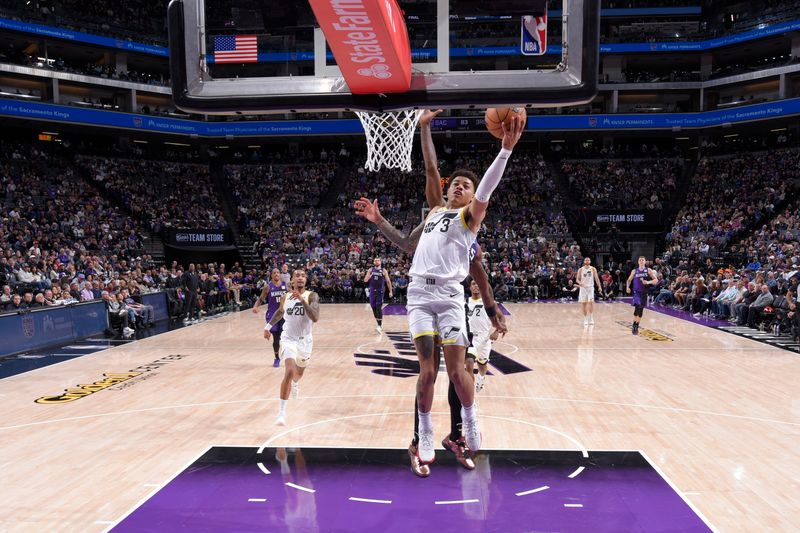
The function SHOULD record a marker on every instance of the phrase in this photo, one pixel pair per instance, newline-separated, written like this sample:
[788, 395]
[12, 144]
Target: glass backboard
[264, 56]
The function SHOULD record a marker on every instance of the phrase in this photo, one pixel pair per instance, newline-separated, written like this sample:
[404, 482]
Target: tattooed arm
[370, 211]
[312, 306]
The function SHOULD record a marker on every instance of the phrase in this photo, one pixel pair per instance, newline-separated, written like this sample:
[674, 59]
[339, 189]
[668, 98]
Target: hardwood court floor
[718, 414]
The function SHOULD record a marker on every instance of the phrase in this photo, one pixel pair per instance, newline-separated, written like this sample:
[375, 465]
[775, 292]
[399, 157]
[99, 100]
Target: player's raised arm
[476, 211]
[433, 180]
[312, 306]
[371, 211]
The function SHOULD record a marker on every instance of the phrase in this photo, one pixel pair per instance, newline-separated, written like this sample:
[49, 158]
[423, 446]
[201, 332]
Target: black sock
[455, 412]
[415, 438]
[380, 322]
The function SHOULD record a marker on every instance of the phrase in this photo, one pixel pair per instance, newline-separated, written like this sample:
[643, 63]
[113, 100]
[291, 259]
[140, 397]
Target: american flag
[235, 49]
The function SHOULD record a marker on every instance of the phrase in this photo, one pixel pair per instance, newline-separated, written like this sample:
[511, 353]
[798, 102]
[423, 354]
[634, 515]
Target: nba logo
[137, 121]
[592, 122]
[534, 35]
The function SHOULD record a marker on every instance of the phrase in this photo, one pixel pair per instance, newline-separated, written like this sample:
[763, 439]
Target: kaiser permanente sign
[282, 128]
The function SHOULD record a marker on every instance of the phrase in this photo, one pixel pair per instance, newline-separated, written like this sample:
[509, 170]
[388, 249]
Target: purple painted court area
[686, 315]
[225, 490]
[400, 309]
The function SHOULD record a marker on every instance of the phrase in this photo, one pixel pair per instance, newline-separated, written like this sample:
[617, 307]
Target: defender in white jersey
[435, 296]
[300, 310]
[586, 277]
[482, 336]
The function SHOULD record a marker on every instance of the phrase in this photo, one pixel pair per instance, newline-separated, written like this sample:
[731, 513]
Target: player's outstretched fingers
[428, 116]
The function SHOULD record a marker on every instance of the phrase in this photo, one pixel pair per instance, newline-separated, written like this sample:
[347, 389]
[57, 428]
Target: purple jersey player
[641, 277]
[272, 293]
[377, 276]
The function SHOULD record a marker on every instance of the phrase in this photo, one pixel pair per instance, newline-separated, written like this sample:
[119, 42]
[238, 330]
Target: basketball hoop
[390, 136]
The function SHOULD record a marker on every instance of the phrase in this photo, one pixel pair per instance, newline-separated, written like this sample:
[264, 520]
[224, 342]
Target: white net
[390, 136]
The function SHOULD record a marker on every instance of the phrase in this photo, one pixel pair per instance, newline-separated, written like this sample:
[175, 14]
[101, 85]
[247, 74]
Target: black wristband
[491, 311]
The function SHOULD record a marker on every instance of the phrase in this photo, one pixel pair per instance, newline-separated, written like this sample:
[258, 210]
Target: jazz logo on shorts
[534, 35]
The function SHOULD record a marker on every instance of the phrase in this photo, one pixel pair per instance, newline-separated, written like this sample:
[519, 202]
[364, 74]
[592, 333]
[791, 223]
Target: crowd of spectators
[525, 230]
[623, 184]
[61, 242]
[755, 281]
[161, 194]
[752, 65]
[638, 75]
[596, 149]
[267, 193]
[88, 69]
[729, 195]
[145, 21]
[395, 191]
[331, 242]
[754, 295]
[136, 20]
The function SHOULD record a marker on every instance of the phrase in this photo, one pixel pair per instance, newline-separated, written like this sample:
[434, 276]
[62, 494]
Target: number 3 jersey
[297, 325]
[443, 249]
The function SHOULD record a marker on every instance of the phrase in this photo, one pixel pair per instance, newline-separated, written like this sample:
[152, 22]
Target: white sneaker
[591, 320]
[471, 432]
[479, 382]
[295, 389]
[127, 331]
[280, 421]
[425, 449]
[379, 330]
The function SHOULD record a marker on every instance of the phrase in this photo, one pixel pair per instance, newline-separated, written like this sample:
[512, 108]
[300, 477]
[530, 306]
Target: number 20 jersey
[297, 325]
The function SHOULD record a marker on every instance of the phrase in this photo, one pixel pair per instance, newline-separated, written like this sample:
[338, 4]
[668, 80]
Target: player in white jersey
[453, 442]
[435, 295]
[300, 310]
[482, 336]
[586, 277]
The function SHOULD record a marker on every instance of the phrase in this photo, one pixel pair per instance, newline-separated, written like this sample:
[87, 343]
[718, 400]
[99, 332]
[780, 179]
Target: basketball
[496, 116]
